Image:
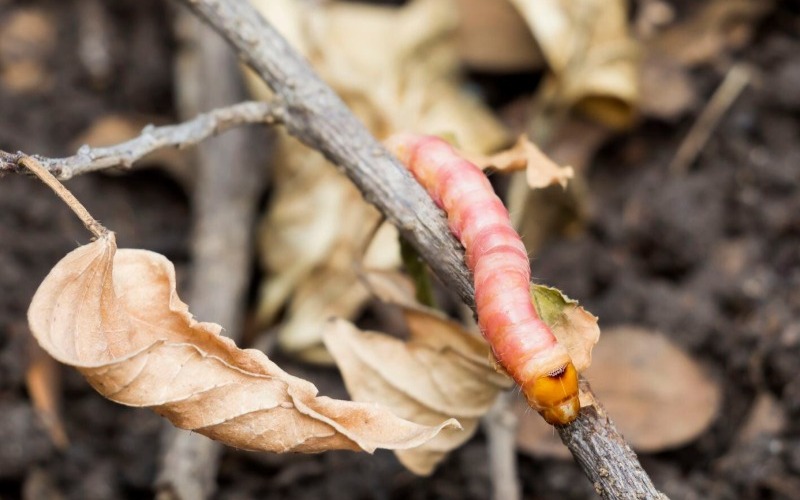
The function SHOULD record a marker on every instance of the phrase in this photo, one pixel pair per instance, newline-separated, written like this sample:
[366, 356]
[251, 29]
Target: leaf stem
[76, 206]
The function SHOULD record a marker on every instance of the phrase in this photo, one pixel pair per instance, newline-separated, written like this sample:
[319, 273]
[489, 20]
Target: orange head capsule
[555, 395]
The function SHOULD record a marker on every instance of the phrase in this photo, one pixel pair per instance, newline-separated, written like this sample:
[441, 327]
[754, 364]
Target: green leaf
[551, 303]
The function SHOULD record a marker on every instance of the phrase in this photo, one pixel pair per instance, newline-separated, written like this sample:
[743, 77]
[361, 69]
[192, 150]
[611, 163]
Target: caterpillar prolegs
[522, 343]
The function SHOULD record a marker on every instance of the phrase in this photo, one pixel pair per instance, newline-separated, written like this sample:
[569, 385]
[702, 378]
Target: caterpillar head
[555, 395]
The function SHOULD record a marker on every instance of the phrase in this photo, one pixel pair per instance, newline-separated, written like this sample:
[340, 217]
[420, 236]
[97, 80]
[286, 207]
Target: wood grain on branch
[318, 117]
[181, 135]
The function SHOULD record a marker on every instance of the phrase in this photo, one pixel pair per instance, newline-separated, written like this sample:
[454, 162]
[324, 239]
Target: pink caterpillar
[522, 343]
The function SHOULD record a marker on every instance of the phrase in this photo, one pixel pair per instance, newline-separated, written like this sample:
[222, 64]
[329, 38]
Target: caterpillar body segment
[522, 343]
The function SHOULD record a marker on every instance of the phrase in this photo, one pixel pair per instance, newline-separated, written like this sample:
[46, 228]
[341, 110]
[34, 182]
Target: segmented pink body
[522, 343]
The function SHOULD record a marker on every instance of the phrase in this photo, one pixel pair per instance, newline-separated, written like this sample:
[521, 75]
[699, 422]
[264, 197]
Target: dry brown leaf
[714, 28]
[767, 417]
[492, 36]
[43, 381]
[655, 392]
[27, 38]
[593, 58]
[392, 287]
[116, 317]
[407, 81]
[667, 88]
[540, 170]
[328, 293]
[310, 254]
[657, 395]
[442, 370]
[707, 35]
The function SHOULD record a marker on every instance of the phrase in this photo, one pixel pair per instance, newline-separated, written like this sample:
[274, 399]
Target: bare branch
[317, 116]
[152, 138]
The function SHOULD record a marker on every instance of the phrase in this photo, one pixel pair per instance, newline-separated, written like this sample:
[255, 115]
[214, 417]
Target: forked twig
[181, 135]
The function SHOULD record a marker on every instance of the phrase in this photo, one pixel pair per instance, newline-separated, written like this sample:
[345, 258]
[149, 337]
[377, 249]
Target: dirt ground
[712, 256]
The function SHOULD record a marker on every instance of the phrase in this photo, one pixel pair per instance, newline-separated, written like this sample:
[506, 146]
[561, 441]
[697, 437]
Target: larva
[522, 343]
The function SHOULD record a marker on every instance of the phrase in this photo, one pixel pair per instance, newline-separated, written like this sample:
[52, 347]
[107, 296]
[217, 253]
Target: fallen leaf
[708, 34]
[574, 327]
[43, 381]
[26, 76]
[767, 417]
[667, 89]
[27, 39]
[658, 397]
[655, 392]
[327, 294]
[713, 29]
[492, 36]
[540, 170]
[115, 316]
[591, 54]
[539, 214]
[26, 33]
[442, 370]
[408, 81]
[311, 257]
[393, 287]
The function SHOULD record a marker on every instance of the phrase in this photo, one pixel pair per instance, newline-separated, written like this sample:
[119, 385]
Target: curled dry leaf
[310, 255]
[657, 395]
[539, 214]
[593, 58]
[442, 370]
[116, 317]
[540, 170]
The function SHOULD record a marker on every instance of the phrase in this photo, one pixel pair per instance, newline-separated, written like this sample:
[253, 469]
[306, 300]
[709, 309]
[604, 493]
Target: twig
[500, 425]
[319, 118]
[735, 81]
[224, 203]
[152, 138]
[46, 177]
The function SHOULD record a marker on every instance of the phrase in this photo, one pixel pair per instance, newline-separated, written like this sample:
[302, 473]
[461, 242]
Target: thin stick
[735, 81]
[500, 425]
[77, 207]
[181, 135]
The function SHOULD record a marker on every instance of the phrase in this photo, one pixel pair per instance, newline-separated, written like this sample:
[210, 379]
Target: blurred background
[680, 228]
